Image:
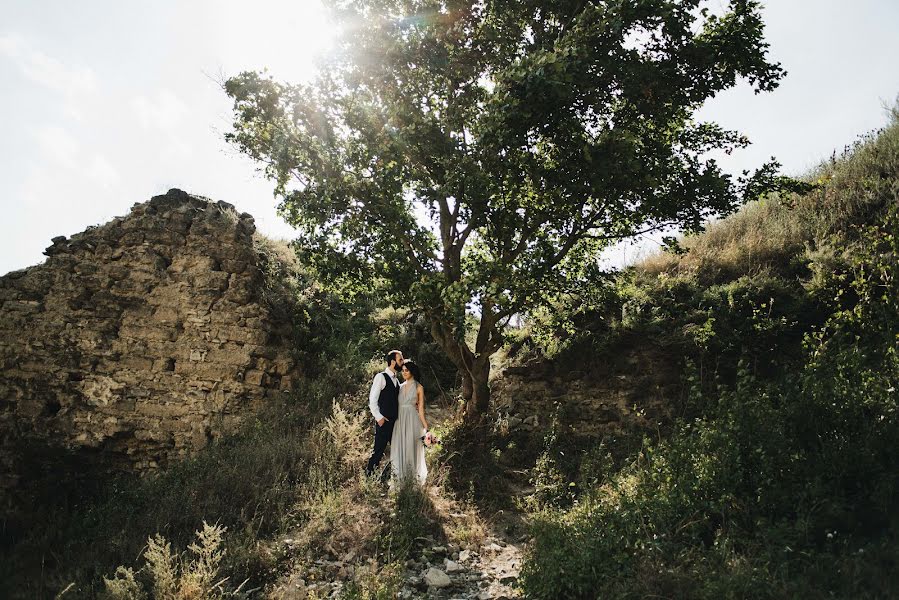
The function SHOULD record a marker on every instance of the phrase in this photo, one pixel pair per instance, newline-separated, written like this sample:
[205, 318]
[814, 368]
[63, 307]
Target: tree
[495, 147]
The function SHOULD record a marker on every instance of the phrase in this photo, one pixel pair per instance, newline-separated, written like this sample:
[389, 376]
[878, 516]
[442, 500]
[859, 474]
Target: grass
[246, 483]
[777, 480]
[293, 473]
[781, 234]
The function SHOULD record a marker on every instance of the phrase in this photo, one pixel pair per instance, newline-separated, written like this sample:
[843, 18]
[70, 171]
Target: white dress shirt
[376, 387]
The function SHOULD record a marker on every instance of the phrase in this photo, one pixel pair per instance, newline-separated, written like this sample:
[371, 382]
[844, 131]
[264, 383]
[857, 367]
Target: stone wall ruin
[141, 339]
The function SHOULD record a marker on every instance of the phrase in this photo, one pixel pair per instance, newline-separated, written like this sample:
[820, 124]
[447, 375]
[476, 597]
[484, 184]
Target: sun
[315, 33]
[285, 37]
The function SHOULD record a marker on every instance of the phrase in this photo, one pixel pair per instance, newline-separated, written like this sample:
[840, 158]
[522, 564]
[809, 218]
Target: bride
[407, 452]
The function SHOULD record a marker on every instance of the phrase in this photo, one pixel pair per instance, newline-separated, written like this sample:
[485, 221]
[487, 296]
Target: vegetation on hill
[779, 478]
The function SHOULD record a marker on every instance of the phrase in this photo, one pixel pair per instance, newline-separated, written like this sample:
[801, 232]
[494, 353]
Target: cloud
[58, 145]
[64, 154]
[100, 171]
[72, 82]
[164, 111]
[47, 71]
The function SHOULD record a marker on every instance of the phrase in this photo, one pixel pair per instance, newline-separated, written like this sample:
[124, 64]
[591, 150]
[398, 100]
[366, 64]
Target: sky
[107, 103]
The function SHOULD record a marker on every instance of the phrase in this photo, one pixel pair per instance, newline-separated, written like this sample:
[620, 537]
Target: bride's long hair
[414, 370]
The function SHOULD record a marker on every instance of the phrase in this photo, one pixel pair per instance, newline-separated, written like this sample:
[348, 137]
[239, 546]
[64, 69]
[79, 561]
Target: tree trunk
[478, 404]
[467, 385]
[475, 371]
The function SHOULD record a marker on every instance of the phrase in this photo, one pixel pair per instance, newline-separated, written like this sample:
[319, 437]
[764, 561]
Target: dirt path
[486, 570]
[479, 558]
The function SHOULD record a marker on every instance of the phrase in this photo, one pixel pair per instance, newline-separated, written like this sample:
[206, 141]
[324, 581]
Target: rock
[464, 555]
[146, 337]
[294, 589]
[451, 566]
[439, 550]
[515, 421]
[601, 394]
[436, 578]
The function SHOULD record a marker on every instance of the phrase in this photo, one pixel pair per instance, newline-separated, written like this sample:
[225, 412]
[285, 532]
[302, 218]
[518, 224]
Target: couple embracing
[399, 411]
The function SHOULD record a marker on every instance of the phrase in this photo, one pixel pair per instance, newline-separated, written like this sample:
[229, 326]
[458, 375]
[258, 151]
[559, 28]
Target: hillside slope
[775, 474]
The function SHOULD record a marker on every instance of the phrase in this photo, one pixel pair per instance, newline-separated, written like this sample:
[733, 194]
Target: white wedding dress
[407, 452]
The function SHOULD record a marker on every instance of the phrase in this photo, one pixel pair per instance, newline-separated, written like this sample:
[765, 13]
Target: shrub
[170, 577]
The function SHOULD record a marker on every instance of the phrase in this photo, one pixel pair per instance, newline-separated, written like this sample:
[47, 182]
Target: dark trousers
[383, 434]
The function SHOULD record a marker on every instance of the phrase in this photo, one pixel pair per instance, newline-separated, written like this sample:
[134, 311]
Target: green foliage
[339, 333]
[565, 469]
[768, 477]
[551, 485]
[325, 329]
[381, 585]
[779, 480]
[478, 156]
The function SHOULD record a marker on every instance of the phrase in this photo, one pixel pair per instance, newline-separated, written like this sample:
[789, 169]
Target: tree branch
[622, 236]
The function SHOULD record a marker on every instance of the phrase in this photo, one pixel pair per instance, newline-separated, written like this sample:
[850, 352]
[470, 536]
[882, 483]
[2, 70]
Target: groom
[384, 404]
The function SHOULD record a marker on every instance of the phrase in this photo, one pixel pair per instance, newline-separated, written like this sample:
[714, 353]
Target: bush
[779, 479]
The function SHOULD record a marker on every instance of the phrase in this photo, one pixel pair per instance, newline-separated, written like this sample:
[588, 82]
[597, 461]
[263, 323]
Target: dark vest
[389, 400]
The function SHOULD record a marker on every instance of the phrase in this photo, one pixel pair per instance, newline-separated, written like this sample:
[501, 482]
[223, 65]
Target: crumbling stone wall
[634, 386]
[142, 338]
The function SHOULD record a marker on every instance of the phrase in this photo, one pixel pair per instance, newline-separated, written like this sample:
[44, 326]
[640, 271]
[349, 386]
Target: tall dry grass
[780, 233]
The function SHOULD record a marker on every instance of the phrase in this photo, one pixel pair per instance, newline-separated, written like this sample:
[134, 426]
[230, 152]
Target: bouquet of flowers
[429, 439]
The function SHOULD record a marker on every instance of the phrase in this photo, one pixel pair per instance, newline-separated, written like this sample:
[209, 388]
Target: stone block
[255, 377]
